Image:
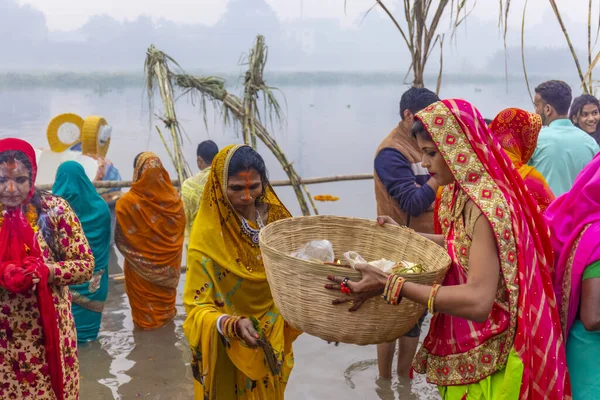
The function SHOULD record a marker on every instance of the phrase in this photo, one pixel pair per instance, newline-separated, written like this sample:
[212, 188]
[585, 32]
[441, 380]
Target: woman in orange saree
[517, 132]
[495, 333]
[149, 234]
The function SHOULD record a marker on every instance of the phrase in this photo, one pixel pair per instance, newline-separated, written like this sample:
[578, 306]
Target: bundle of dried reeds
[244, 111]
[157, 74]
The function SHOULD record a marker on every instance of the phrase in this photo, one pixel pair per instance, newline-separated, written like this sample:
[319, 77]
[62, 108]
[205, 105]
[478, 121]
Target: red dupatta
[458, 351]
[21, 260]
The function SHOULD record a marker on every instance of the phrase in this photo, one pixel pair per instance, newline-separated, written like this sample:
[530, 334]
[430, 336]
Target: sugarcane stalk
[211, 89]
[568, 38]
[439, 79]
[245, 110]
[158, 75]
[523, 51]
[166, 146]
[167, 99]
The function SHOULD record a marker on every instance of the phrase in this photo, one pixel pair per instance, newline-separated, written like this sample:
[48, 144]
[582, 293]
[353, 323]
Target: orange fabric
[150, 234]
[517, 132]
[152, 306]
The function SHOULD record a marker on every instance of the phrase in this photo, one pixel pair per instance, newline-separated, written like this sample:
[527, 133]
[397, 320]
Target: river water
[329, 130]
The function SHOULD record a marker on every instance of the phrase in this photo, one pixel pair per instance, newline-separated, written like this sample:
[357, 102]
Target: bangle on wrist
[431, 300]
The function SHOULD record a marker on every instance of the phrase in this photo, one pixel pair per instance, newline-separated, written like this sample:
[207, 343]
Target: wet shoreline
[128, 363]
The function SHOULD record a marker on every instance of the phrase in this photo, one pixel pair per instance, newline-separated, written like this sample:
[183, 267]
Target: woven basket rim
[342, 270]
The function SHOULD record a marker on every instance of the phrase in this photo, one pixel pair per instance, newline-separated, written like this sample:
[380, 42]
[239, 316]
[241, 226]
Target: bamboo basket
[298, 285]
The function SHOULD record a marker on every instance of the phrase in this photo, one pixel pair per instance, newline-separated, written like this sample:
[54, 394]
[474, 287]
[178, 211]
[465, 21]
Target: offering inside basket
[298, 284]
[316, 250]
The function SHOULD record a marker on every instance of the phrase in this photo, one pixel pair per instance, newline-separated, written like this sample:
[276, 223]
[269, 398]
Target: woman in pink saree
[574, 220]
[495, 333]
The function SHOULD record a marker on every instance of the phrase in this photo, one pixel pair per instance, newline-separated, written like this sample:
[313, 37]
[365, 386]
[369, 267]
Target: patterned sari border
[88, 304]
[566, 284]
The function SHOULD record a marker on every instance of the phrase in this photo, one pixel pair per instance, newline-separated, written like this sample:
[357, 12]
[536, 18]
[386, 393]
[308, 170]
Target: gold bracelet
[228, 328]
[396, 297]
[393, 288]
[431, 301]
[388, 284]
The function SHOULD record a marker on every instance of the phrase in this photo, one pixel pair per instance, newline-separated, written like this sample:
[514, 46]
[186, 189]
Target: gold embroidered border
[465, 368]
[82, 301]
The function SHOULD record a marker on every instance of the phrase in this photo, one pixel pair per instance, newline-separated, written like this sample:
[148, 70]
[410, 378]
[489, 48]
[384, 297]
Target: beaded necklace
[250, 231]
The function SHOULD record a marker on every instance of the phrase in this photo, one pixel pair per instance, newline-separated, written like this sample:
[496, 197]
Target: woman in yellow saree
[226, 286]
[149, 234]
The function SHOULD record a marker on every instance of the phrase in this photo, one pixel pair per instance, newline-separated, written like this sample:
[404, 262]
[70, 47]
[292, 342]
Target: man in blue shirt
[406, 192]
[563, 150]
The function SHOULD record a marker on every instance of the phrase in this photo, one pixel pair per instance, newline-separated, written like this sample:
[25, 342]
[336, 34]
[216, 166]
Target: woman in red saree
[42, 250]
[517, 132]
[495, 333]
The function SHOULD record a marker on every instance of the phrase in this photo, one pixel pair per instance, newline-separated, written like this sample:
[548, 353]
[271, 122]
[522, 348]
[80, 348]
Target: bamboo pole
[274, 183]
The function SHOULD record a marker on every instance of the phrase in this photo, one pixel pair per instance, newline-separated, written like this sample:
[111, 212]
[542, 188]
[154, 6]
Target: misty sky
[302, 35]
[71, 14]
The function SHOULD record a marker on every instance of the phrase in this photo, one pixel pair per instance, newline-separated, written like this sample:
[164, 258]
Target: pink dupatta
[458, 351]
[574, 220]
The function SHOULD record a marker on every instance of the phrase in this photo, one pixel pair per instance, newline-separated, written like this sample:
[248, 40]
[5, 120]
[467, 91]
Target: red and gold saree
[521, 340]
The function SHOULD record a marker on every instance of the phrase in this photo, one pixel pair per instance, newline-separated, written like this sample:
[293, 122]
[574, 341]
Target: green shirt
[562, 151]
[592, 271]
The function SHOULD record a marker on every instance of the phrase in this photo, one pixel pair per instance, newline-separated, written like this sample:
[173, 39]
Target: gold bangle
[393, 288]
[388, 285]
[226, 330]
[396, 297]
[431, 301]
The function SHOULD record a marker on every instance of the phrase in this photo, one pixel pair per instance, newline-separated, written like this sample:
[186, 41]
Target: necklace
[31, 216]
[250, 231]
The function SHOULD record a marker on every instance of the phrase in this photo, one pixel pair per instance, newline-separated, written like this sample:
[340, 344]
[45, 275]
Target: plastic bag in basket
[317, 250]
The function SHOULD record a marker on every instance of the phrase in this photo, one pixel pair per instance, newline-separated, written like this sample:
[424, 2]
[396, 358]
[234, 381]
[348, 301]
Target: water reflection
[127, 363]
[94, 366]
[157, 364]
[386, 389]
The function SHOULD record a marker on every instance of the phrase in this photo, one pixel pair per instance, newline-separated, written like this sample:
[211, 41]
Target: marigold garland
[326, 197]
[31, 215]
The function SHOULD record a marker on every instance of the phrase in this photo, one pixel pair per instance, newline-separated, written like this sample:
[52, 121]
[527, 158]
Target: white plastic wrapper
[317, 250]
